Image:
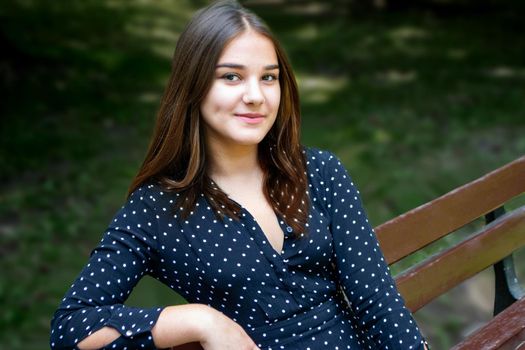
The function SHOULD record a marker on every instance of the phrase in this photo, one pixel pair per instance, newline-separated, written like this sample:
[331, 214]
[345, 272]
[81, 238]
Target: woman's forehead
[249, 48]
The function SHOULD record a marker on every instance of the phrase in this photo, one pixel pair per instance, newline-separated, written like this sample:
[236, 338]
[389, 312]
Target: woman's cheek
[275, 97]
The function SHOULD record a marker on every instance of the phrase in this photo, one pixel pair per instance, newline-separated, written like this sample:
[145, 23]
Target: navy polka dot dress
[292, 299]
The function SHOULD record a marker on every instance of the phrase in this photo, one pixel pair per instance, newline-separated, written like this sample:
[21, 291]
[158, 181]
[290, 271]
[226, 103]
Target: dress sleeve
[126, 253]
[363, 272]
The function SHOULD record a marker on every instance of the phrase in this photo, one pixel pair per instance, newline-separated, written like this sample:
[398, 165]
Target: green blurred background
[416, 97]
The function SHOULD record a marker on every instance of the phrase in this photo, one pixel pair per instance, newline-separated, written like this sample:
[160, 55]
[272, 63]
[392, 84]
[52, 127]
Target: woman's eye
[270, 77]
[231, 77]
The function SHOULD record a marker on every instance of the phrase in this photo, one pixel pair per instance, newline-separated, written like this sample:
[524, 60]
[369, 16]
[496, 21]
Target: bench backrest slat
[425, 224]
[447, 269]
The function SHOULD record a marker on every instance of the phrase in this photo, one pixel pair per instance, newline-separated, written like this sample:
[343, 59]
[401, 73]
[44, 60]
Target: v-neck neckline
[285, 229]
[266, 242]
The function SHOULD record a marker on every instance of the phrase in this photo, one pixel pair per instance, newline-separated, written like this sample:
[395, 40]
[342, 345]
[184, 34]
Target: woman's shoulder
[320, 160]
[153, 195]
[324, 167]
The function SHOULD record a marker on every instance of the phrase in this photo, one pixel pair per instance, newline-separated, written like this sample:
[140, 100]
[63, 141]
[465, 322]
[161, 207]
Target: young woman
[258, 233]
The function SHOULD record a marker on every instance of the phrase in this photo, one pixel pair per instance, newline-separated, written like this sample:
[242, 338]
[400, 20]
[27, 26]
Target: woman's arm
[362, 270]
[127, 251]
[92, 314]
[200, 323]
[176, 325]
[184, 324]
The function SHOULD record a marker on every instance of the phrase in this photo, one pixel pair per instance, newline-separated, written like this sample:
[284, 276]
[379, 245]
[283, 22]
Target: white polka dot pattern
[285, 300]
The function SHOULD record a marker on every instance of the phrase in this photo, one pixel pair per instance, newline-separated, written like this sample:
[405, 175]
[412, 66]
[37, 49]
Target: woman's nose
[253, 93]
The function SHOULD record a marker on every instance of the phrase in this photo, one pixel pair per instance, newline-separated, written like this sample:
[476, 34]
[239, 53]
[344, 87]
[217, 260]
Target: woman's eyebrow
[271, 67]
[240, 66]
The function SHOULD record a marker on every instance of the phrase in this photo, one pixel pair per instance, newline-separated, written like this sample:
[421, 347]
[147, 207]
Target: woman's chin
[251, 140]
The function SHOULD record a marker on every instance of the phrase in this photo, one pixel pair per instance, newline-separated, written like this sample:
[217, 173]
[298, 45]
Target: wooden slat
[520, 346]
[439, 273]
[429, 222]
[505, 331]
[515, 343]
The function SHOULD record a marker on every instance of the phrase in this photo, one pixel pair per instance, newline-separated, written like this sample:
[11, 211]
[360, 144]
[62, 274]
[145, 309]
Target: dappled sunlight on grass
[93, 59]
[405, 34]
[319, 89]
[457, 54]
[309, 8]
[150, 97]
[308, 32]
[505, 72]
[409, 40]
[160, 23]
[394, 76]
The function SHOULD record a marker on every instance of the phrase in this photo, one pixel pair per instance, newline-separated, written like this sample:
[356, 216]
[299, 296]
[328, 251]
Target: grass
[415, 103]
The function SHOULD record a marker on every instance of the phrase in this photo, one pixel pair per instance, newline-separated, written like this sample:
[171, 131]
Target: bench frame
[491, 245]
[508, 289]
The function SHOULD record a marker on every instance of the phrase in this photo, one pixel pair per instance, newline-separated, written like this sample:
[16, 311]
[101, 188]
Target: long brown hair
[176, 157]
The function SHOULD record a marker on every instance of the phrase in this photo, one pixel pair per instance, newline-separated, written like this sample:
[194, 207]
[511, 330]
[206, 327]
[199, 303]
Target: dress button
[289, 229]
[129, 333]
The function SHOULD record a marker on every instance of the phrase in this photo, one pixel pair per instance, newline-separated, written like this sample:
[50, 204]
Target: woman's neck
[233, 163]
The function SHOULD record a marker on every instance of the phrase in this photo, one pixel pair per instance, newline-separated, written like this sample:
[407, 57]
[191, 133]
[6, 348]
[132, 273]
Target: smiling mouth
[250, 118]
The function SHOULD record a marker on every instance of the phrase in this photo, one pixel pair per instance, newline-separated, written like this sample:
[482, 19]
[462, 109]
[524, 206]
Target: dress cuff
[134, 324]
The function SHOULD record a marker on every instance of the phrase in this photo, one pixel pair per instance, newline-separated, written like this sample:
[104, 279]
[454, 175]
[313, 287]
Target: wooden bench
[492, 245]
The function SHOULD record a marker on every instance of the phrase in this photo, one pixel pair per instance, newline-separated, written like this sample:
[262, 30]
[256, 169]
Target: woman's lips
[250, 118]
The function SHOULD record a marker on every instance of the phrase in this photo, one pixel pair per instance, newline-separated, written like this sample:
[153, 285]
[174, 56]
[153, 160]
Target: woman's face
[243, 100]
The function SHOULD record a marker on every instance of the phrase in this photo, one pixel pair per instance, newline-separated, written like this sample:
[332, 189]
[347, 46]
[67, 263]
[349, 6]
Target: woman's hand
[224, 333]
[199, 326]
